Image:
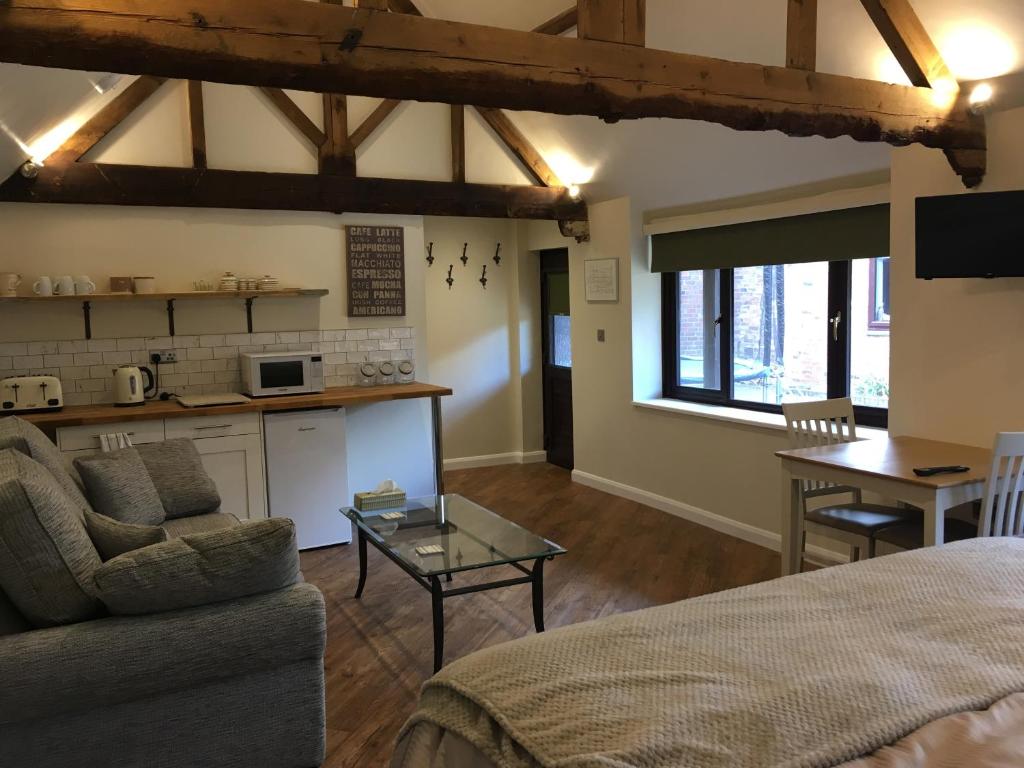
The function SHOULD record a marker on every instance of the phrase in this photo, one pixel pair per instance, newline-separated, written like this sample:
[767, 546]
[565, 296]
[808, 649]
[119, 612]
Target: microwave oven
[268, 374]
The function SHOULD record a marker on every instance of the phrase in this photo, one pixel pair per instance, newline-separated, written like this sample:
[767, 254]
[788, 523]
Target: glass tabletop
[464, 535]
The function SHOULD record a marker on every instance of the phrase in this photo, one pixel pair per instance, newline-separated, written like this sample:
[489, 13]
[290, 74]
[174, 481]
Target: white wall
[957, 371]
[484, 343]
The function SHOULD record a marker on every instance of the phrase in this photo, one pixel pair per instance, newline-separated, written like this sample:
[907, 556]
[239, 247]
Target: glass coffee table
[436, 536]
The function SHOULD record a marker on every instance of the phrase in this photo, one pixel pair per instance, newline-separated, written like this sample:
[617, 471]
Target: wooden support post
[458, 144]
[337, 155]
[519, 146]
[373, 5]
[559, 24]
[197, 123]
[614, 21]
[802, 34]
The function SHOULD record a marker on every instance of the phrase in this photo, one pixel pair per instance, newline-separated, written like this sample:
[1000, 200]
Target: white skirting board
[497, 460]
[751, 533]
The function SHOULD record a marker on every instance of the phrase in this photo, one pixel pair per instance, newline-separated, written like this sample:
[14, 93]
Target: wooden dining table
[884, 466]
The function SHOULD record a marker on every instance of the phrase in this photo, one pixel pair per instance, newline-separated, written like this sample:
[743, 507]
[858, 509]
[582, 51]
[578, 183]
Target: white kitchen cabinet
[236, 465]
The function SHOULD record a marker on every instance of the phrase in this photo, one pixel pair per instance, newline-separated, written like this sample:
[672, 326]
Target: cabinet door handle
[214, 426]
[307, 429]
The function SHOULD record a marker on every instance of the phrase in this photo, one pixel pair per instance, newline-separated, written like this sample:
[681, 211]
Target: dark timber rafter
[336, 49]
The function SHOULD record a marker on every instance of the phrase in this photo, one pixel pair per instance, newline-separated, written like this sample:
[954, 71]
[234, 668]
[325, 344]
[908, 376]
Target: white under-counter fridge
[307, 475]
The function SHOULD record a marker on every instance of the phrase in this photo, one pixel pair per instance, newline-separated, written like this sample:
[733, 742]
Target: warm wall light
[570, 170]
[975, 51]
[574, 190]
[980, 97]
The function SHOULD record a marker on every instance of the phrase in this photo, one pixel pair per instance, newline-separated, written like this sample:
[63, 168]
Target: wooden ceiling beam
[612, 21]
[802, 34]
[330, 48]
[104, 121]
[373, 121]
[294, 114]
[105, 184]
[197, 123]
[560, 24]
[917, 54]
[519, 146]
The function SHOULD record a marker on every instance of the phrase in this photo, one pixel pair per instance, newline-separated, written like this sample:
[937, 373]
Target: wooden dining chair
[827, 422]
[1000, 513]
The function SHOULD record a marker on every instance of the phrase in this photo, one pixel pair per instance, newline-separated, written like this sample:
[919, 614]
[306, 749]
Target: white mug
[43, 286]
[9, 283]
[64, 286]
[144, 284]
[84, 286]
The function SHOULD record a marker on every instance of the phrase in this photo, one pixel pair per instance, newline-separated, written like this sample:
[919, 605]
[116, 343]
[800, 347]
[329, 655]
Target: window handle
[718, 320]
[834, 322]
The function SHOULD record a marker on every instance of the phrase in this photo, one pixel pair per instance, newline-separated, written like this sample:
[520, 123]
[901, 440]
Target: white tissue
[387, 486]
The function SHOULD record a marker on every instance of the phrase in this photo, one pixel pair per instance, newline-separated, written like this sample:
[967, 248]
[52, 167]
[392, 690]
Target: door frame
[554, 260]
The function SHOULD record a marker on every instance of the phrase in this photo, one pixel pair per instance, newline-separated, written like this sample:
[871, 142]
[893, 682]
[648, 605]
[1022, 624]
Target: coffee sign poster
[376, 271]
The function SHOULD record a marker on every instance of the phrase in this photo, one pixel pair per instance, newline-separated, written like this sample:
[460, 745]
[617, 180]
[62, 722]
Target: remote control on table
[929, 471]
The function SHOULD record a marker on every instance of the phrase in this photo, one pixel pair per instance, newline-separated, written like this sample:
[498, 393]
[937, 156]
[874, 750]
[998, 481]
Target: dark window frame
[873, 324]
[837, 359]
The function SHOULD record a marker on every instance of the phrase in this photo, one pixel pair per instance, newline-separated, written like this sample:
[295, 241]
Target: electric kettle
[128, 386]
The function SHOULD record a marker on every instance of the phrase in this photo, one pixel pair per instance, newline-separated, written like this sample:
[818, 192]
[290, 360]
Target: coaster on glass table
[430, 549]
[392, 516]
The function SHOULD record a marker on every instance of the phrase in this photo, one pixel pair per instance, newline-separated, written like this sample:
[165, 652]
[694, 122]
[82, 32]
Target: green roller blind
[852, 233]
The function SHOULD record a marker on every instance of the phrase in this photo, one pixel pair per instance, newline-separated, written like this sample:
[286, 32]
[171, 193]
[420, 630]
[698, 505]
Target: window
[757, 337]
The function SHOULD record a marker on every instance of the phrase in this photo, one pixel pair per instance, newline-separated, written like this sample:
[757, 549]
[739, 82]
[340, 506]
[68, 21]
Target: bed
[906, 660]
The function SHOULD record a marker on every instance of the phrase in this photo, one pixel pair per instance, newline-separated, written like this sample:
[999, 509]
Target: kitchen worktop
[81, 415]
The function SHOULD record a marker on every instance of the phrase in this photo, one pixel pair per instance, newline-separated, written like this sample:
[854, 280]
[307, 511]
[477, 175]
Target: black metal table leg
[437, 598]
[538, 594]
[362, 564]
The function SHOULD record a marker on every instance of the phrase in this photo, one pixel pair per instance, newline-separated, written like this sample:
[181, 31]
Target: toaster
[30, 393]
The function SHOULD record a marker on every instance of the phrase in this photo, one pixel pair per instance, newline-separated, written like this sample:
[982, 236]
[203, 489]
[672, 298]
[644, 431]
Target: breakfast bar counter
[334, 397]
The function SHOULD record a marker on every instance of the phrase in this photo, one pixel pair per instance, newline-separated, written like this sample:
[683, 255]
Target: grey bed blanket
[811, 670]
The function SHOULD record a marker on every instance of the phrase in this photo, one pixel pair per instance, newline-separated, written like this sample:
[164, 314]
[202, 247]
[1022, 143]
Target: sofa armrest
[48, 672]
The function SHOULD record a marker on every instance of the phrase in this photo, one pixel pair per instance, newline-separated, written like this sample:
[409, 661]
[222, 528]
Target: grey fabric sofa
[233, 683]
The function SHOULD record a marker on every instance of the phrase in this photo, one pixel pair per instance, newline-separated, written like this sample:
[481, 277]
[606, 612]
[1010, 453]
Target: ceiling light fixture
[574, 191]
[980, 97]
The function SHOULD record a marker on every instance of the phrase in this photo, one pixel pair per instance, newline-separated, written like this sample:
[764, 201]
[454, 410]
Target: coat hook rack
[483, 278]
[464, 259]
[450, 280]
[497, 255]
[430, 254]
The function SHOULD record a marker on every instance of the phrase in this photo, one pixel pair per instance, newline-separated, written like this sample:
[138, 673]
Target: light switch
[600, 334]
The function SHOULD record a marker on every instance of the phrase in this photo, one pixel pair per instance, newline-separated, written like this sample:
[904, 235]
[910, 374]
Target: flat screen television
[971, 235]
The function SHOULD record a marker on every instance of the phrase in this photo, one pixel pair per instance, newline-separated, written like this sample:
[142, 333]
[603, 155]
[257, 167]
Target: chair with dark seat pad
[827, 422]
[1001, 511]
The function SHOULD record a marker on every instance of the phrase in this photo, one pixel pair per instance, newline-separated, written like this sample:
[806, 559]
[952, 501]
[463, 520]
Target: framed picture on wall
[601, 277]
[376, 271]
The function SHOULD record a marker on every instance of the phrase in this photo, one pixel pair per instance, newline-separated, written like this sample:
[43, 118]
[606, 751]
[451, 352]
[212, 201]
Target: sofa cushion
[119, 486]
[112, 537]
[11, 620]
[183, 526]
[47, 561]
[178, 474]
[29, 439]
[201, 568]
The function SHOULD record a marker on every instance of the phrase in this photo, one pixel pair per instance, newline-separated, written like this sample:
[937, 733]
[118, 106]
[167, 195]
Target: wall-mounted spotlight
[29, 169]
[574, 191]
[980, 97]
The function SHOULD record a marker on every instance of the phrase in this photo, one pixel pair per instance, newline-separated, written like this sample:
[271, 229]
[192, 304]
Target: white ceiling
[661, 163]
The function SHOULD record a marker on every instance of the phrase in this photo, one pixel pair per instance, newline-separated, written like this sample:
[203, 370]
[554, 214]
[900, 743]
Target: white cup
[43, 286]
[84, 286]
[64, 286]
[9, 283]
[144, 284]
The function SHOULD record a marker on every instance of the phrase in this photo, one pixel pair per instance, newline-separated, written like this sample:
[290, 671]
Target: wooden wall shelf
[170, 298]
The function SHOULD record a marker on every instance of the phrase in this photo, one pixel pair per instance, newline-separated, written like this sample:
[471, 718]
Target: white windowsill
[735, 415]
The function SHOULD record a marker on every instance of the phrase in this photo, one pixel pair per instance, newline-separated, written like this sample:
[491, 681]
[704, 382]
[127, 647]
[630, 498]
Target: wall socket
[163, 356]
[600, 334]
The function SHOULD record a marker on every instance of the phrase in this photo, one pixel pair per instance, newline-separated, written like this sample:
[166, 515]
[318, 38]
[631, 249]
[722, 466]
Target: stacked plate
[268, 283]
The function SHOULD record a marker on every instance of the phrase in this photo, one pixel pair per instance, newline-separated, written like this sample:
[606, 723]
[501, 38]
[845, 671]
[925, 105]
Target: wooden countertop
[81, 415]
[895, 458]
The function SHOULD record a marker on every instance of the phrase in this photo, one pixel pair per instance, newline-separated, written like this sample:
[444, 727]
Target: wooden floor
[621, 556]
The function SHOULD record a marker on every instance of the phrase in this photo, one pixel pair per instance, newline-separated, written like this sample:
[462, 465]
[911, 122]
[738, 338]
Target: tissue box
[370, 501]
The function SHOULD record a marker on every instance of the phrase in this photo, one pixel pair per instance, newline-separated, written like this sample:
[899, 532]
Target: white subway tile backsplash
[42, 348]
[207, 363]
[28, 361]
